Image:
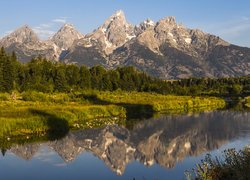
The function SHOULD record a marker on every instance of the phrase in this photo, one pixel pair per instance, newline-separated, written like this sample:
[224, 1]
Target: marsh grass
[52, 113]
[38, 113]
[247, 101]
[162, 102]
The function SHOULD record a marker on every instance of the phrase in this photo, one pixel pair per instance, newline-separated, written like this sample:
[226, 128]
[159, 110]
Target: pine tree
[9, 75]
[85, 78]
[60, 80]
[97, 73]
[2, 55]
[72, 75]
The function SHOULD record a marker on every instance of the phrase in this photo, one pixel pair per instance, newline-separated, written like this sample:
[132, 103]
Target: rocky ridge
[163, 49]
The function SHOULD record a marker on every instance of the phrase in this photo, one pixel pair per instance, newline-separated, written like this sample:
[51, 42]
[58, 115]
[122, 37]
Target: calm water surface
[156, 148]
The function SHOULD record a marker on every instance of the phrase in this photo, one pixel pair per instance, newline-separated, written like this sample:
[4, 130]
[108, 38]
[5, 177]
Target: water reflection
[165, 140]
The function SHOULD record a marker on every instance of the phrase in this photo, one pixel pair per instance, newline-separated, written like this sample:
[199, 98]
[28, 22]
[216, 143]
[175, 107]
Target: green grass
[39, 113]
[247, 101]
[161, 102]
[22, 117]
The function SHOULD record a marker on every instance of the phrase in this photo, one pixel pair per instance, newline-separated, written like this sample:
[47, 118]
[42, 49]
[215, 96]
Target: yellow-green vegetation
[160, 102]
[235, 165]
[248, 101]
[39, 113]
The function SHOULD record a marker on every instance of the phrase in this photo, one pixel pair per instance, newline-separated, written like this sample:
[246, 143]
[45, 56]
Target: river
[161, 147]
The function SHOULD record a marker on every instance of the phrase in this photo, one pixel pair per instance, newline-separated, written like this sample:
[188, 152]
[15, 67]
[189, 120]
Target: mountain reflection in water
[165, 140]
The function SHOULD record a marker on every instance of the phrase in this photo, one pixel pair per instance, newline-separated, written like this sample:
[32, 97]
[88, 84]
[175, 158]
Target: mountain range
[163, 49]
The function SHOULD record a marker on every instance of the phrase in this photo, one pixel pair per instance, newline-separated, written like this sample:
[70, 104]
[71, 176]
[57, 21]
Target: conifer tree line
[43, 75]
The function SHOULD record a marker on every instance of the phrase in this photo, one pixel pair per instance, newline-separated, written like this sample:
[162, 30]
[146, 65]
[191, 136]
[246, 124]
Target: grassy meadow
[160, 102]
[248, 101]
[27, 113]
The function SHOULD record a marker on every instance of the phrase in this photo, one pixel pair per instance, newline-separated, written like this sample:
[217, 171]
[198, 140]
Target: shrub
[235, 165]
[4, 97]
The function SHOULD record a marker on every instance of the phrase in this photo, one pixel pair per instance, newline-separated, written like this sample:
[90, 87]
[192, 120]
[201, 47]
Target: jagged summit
[117, 18]
[143, 26]
[25, 42]
[115, 32]
[169, 19]
[23, 34]
[119, 13]
[68, 25]
[65, 37]
[149, 22]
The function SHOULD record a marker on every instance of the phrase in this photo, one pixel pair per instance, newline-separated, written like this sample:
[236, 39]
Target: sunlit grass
[36, 113]
[23, 116]
[248, 101]
[162, 102]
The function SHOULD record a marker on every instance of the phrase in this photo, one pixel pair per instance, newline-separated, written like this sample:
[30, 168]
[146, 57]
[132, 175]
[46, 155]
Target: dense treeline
[46, 76]
[210, 86]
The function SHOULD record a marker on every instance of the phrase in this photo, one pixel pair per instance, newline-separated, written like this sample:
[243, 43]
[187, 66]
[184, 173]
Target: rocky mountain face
[27, 45]
[163, 49]
[164, 141]
[96, 47]
[65, 37]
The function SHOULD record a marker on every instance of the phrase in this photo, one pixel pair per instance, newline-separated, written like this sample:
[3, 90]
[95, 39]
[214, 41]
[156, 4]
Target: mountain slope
[66, 36]
[95, 47]
[27, 45]
[171, 51]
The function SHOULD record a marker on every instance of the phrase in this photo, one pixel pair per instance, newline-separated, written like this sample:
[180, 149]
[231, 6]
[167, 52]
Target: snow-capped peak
[24, 30]
[114, 32]
[149, 22]
[118, 18]
[68, 25]
[119, 13]
[144, 26]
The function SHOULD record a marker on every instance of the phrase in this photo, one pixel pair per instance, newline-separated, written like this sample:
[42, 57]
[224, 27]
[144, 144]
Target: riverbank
[40, 113]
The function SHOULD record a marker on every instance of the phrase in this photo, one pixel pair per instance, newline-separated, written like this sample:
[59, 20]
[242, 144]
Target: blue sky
[229, 19]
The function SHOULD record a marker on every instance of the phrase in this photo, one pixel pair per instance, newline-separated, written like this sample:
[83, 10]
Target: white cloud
[43, 33]
[61, 21]
[46, 30]
[49, 25]
[60, 164]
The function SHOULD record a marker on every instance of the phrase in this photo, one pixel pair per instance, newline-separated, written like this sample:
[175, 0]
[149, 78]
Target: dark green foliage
[84, 78]
[60, 80]
[45, 76]
[235, 165]
[97, 73]
[8, 71]
[72, 75]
